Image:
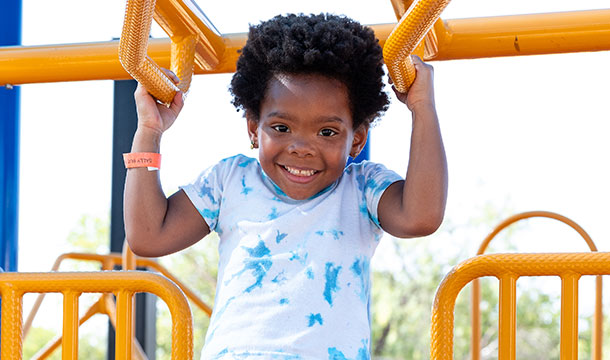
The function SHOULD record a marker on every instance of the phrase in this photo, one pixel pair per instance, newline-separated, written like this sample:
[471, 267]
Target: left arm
[416, 206]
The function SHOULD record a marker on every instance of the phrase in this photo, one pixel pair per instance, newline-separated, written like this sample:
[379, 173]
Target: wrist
[422, 106]
[146, 140]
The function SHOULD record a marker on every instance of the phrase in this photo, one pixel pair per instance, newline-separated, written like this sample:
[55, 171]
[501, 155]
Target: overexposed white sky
[521, 134]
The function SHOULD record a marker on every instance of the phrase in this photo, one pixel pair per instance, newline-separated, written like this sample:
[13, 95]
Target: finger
[172, 76]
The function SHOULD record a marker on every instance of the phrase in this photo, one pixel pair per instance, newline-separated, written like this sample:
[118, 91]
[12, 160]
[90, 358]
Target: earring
[253, 145]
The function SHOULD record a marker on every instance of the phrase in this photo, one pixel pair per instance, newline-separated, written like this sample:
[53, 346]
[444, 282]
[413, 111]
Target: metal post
[10, 34]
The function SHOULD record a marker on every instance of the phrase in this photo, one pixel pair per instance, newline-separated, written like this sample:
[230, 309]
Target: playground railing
[507, 268]
[476, 288]
[106, 304]
[123, 284]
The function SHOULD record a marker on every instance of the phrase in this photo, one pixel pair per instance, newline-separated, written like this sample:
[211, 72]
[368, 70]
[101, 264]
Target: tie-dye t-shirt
[293, 275]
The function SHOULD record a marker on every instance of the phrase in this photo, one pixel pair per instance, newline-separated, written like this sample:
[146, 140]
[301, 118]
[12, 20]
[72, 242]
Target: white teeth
[298, 172]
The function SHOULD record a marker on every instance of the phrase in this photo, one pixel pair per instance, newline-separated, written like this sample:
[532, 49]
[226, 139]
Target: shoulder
[238, 160]
[370, 170]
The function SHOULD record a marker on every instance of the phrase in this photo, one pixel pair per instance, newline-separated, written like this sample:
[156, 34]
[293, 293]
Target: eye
[328, 132]
[280, 128]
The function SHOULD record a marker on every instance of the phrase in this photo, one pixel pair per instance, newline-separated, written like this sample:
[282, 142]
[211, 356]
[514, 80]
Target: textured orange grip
[132, 53]
[405, 37]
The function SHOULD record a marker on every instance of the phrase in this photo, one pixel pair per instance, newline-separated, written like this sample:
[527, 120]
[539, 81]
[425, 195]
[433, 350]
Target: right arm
[156, 225]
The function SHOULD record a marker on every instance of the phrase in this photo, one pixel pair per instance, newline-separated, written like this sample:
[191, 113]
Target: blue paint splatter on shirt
[309, 273]
[331, 282]
[245, 189]
[279, 237]
[209, 214]
[246, 162]
[279, 278]
[335, 233]
[334, 354]
[284, 301]
[274, 214]
[363, 353]
[360, 269]
[258, 263]
[315, 318]
[207, 191]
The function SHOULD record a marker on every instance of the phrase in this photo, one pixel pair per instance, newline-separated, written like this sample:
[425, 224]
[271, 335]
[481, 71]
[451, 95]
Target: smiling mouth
[299, 172]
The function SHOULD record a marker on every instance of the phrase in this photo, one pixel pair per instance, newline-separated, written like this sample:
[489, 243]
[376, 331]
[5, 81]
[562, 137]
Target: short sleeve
[374, 180]
[206, 192]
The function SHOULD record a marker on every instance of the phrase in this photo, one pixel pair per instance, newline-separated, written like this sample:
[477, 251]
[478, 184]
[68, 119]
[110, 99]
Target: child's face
[305, 133]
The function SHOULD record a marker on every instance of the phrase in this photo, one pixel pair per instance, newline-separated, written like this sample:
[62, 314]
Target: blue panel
[10, 34]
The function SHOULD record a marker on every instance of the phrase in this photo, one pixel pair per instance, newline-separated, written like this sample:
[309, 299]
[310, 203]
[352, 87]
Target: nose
[301, 147]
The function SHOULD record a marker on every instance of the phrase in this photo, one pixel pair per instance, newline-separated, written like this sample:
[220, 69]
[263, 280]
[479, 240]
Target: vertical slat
[475, 339]
[569, 316]
[12, 309]
[69, 342]
[507, 320]
[124, 325]
[598, 318]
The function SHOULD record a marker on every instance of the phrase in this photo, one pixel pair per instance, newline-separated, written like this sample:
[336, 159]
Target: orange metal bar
[125, 283]
[569, 316]
[508, 312]
[411, 29]
[476, 296]
[475, 320]
[193, 42]
[124, 321]
[551, 33]
[598, 321]
[11, 344]
[69, 345]
[453, 39]
[498, 265]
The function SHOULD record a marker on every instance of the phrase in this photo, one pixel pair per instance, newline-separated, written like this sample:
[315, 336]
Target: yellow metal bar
[11, 344]
[71, 62]
[498, 265]
[598, 320]
[13, 285]
[124, 325]
[69, 345]
[569, 316]
[453, 39]
[475, 320]
[476, 298]
[411, 29]
[508, 311]
[551, 33]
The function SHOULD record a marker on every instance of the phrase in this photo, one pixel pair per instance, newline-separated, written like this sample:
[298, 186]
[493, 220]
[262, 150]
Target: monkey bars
[514, 35]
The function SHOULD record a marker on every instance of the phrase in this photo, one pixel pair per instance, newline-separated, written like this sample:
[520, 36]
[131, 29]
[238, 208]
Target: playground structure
[208, 52]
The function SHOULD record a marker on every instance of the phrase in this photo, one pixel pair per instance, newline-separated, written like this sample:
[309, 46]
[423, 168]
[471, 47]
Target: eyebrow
[325, 119]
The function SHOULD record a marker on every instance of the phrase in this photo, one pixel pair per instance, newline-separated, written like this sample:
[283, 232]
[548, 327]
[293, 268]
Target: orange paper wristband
[137, 160]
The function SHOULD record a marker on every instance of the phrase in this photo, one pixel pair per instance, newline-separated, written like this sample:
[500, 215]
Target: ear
[252, 124]
[360, 136]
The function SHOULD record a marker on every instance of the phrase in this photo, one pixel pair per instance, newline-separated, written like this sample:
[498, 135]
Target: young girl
[297, 228]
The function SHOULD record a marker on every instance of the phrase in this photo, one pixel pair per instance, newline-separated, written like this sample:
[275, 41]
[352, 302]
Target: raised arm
[416, 206]
[156, 225]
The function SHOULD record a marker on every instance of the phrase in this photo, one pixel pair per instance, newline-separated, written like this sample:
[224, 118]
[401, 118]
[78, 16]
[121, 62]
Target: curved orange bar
[123, 283]
[565, 265]
[409, 32]
[530, 214]
[476, 290]
[133, 57]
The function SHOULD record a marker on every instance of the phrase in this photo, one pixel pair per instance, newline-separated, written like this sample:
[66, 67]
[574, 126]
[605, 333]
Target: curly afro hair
[324, 44]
